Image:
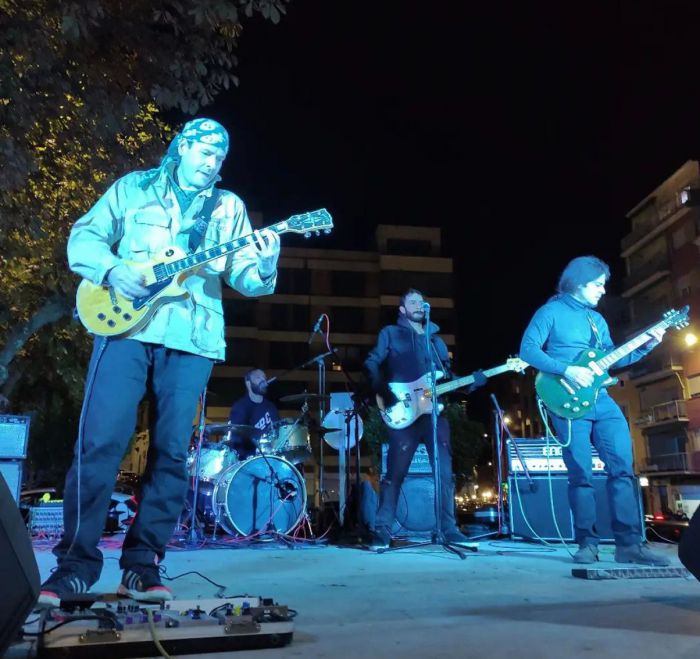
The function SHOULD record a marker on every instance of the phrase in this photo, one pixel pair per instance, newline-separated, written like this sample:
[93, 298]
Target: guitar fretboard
[164, 271]
[626, 348]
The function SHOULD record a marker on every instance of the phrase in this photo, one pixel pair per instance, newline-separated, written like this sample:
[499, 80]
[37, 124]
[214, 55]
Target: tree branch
[55, 308]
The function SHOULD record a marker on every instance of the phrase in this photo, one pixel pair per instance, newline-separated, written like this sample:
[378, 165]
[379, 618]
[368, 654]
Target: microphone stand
[438, 536]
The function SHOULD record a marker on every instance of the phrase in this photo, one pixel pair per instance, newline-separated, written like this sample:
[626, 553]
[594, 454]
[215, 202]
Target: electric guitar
[105, 312]
[415, 398]
[567, 399]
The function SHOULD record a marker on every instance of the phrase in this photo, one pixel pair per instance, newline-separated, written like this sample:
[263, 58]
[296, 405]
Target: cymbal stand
[192, 538]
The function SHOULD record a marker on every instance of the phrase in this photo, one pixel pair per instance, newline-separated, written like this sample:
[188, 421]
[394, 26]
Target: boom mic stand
[438, 536]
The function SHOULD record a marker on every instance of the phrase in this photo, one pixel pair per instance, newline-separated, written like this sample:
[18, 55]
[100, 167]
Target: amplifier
[533, 508]
[420, 464]
[14, 433]
[11, 471]
[542, 456]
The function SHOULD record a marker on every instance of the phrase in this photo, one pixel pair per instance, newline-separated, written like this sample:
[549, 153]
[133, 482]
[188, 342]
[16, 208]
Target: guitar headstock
[516, 364]
[677, 319]
[308, 223]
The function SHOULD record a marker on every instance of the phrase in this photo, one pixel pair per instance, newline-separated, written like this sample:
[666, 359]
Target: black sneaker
[60, 586]
[142, 583]
[379, 539]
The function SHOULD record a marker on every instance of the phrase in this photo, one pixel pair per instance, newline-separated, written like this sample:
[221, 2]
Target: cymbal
[299, 398]
[236, 428]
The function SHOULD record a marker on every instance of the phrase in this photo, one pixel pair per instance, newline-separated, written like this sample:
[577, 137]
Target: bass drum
[260, 495]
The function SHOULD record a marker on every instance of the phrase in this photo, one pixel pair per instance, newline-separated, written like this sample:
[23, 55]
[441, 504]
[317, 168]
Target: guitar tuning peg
[326, 231]
[307, 234]
[318, 233]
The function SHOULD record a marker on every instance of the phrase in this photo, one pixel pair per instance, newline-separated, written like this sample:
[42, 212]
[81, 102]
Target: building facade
[661, 393]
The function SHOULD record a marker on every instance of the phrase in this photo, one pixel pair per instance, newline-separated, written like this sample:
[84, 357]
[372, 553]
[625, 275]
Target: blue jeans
[124, 371]
[402, 445]
[606, 427]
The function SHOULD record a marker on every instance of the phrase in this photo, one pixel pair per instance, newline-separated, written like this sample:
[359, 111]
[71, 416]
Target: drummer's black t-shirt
[261, 415]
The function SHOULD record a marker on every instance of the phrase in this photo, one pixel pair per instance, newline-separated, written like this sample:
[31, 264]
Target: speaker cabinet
[536, 508]
[19, 574]
[415, 510]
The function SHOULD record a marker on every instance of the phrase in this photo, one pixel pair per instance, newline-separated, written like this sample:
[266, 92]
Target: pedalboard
[126, 628]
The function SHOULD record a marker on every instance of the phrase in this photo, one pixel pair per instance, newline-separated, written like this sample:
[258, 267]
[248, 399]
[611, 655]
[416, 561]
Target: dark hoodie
[401, 355]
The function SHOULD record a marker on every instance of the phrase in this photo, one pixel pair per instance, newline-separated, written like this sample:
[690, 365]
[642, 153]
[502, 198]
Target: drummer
[253, 409]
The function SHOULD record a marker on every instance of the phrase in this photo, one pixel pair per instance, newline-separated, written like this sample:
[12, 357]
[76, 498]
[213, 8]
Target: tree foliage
[82, 89]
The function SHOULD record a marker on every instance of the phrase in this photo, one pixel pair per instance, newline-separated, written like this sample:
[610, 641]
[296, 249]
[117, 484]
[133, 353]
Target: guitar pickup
[567, 386]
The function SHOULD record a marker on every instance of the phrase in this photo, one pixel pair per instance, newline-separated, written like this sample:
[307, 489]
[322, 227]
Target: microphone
[426, 307]
[316, 329]
[285, 489]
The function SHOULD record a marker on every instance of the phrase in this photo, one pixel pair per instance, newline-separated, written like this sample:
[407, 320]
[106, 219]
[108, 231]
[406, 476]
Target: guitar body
[567, 399]
[414, 400]
[105, 312]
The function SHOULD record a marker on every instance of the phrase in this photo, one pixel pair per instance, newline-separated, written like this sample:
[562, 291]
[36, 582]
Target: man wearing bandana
[170, 359]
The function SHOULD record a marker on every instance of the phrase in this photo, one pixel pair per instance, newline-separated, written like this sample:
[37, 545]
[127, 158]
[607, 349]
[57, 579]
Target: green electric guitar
[572, 401]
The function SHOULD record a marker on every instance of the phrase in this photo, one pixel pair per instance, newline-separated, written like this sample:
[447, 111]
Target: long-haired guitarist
[400, 355]
[141, 214]
[558, 334]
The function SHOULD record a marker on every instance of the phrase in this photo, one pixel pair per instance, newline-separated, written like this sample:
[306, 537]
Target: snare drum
[213, 459]
[292, 440]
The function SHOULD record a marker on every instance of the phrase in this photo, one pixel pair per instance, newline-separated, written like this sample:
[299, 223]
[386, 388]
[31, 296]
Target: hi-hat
[236, 428]
[298, 398]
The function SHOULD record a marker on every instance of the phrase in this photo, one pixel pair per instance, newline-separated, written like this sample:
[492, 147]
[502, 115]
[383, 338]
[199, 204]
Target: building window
[293, 281]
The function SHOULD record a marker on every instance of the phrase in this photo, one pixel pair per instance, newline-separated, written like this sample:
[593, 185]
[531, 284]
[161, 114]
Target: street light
[690, 339]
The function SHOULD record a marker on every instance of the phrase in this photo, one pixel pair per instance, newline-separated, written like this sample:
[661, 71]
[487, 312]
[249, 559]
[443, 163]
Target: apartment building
[661, 393]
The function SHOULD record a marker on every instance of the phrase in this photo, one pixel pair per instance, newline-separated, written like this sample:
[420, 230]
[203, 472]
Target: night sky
[525, 129]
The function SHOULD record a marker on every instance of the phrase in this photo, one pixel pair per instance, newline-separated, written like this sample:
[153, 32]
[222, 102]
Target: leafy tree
[82, 89]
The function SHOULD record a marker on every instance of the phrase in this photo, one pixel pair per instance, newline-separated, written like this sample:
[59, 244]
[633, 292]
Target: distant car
[668, 525]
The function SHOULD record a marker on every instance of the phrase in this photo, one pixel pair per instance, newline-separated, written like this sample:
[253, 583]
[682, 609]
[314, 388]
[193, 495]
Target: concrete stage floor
[506, 600]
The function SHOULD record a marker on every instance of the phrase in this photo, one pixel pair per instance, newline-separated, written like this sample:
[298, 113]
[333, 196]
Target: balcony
[647, 274]
[673, 411]
[654, 367]
[643, 233]
[668, 463]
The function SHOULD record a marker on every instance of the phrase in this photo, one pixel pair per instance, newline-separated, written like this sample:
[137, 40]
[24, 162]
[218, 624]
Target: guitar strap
[596, 333]
[202, 222]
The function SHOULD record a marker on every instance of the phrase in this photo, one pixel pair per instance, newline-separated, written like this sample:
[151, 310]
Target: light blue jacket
[136, 219]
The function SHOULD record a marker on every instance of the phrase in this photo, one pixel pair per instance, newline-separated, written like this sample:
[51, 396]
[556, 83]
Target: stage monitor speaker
[689, 546]
[19, 574]
[537, 508]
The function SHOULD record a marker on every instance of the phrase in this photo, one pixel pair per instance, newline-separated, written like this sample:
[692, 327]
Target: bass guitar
[415, 398]
[105, 312]
[565, 398]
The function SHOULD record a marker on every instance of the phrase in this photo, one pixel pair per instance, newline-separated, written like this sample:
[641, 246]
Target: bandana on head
[206, 131]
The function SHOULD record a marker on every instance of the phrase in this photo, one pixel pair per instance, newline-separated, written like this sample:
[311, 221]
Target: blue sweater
[560, 331]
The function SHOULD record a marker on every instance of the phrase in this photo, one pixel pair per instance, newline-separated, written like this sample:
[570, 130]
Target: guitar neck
[165, 270]
[626, 348]
[446, 387]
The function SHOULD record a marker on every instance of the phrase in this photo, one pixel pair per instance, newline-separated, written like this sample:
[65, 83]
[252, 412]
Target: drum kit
[263, 495]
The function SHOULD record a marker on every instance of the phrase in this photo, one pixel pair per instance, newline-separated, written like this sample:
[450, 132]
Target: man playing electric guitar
[401, 356]
[172, 356]
[559, 332]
